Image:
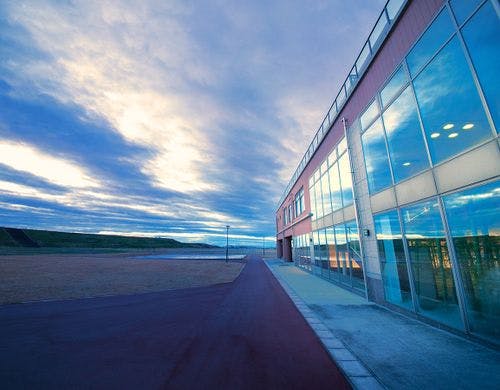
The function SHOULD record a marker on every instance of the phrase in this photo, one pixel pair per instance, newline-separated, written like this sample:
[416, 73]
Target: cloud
[56, 170]
[106, 61]
[179, 114]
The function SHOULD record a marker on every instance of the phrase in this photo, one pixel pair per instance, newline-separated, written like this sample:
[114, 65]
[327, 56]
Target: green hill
[51, 239]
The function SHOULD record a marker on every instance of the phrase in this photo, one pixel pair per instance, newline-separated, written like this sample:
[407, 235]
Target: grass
[61, 242]
[6, 240]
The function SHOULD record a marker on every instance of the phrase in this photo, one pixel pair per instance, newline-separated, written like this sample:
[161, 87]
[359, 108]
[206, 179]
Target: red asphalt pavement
[242, 335]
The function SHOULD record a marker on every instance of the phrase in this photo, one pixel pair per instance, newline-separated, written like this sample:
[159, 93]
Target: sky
[165, 118]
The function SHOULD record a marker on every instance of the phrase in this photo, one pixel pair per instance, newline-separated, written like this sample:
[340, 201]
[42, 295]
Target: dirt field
[48, 277]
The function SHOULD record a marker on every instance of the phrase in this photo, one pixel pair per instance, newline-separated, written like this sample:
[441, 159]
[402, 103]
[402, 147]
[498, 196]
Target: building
[398, 195]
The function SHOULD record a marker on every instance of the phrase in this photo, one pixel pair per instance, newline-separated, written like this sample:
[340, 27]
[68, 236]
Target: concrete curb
[358, 375]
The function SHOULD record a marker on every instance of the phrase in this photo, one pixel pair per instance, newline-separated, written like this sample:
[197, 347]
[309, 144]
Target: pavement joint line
[353, 369]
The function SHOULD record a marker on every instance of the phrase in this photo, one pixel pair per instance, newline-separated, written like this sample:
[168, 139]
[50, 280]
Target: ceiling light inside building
[468, 126]
[453, 135]
[448, 126]
[406, 164]
[435, 135]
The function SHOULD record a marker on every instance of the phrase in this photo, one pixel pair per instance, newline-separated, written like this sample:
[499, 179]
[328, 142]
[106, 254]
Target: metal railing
[384, 23]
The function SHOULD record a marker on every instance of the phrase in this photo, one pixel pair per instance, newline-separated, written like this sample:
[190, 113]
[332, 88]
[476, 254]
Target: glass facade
[302, 251]
[430, 263]
[481, 34]
[402, 129]
[436, 241]
[337, 255]
[392, 259]
[332, 183]
[433, 101]
[376, 159]
[472, 216]
[439, 31]
[453, 117]
[474, 222]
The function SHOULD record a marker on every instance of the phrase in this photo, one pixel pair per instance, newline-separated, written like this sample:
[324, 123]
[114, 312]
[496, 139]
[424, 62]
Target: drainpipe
[356, 212]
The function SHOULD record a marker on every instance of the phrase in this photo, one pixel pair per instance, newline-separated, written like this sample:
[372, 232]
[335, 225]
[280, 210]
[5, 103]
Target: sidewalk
[399, 352]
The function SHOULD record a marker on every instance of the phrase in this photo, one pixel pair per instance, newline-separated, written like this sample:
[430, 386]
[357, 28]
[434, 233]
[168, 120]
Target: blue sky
[165, 118]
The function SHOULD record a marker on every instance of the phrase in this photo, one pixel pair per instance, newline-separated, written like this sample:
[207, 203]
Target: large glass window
[377, 163]
[323, 253]
[370, 114]
[335, 191]
[325, 193]
[451, 110]
[439, 31]
[342, 254]
[345, 179]
[299, 202]
[319, 199]
[473, 218]
[332, 253]
[404, 137]
[312, 201]
[391, 89]
[356, 262]
[463, 8]
[392, 259]
[430, 262]
[481, 36]
[317, 249]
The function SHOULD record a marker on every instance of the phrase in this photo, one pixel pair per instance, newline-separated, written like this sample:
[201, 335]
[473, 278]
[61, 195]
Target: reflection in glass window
[378, 31]
[341, 98]
[332, 253]
[332, 157]
[453, 117]
[356, 263]
[398, 80]
[342, 146]
[463, 8]
[481, 36]
[370, 114]
[325, 193]
[392, 259]
[363, 58]
[342, 254]
[430, 262]
[324, 167]
[439, 31]
[377, 163]
[335, 191]
[393, 8]
[319, 200]
[317, 250]
[312, 201]
[404, 137]
[345, 179]
[473, 218]
[323, 252]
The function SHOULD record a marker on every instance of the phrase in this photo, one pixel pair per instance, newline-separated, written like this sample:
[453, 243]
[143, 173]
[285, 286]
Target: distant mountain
[13, 237]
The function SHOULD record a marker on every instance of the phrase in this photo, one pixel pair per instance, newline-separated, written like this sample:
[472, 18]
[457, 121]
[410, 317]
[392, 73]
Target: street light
[227, 242]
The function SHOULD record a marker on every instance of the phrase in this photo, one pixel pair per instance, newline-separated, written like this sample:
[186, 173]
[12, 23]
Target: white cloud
[56, 170]
[134, 76]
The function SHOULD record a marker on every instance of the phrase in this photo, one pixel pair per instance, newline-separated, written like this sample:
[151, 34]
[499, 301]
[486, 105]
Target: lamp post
[227, 243]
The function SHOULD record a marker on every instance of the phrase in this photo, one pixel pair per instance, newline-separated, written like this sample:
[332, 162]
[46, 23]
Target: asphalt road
[242, 335]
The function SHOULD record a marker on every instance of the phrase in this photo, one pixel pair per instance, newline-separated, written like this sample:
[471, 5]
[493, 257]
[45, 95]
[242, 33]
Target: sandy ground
[49, 277]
